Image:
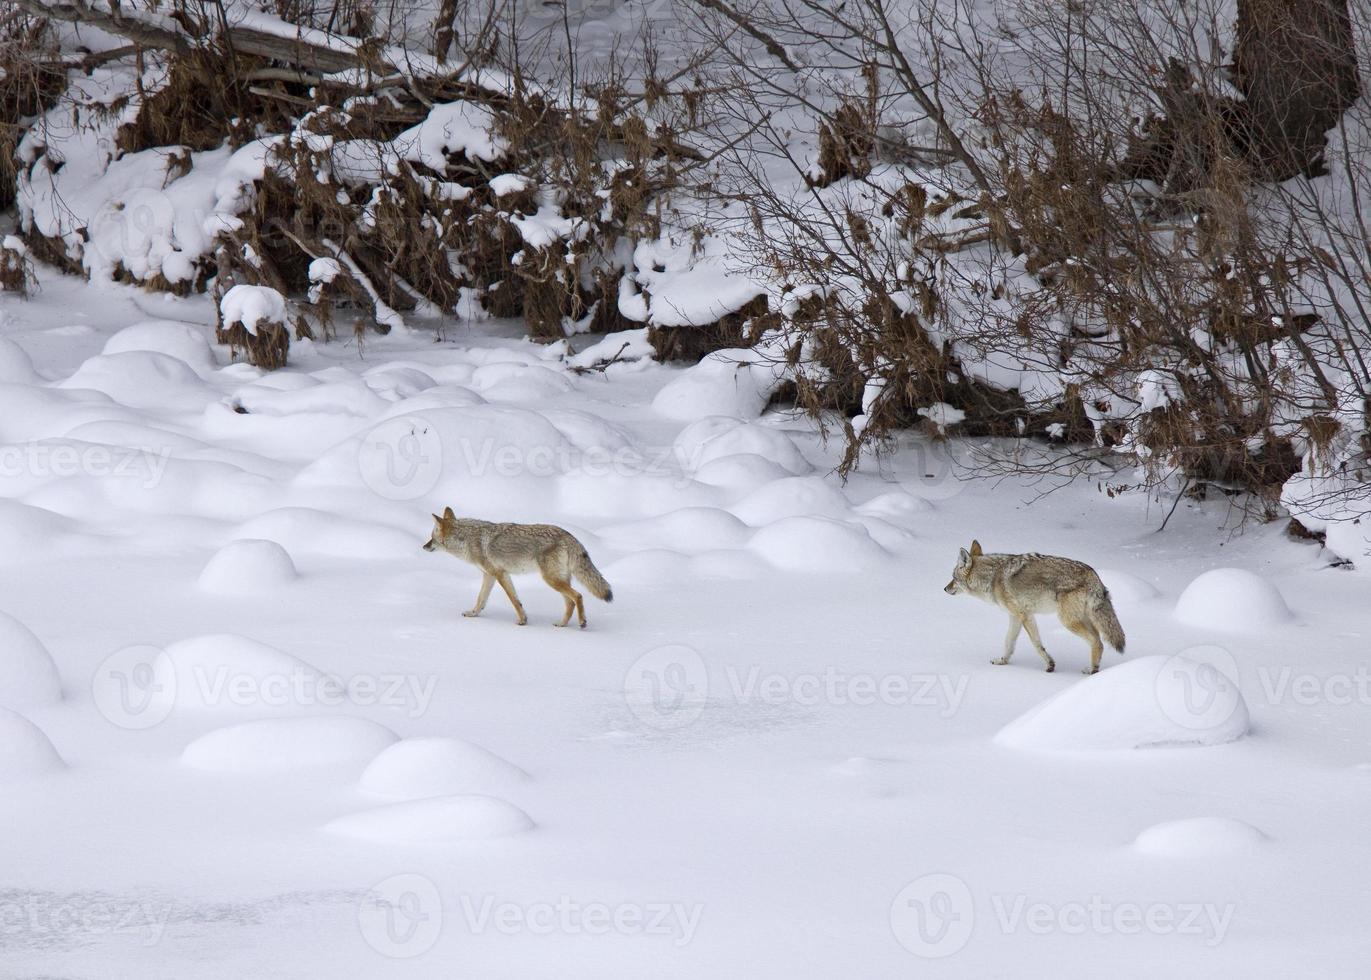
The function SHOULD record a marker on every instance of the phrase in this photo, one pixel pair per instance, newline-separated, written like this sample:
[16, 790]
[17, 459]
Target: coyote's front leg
[1010, 639]
[486, 582]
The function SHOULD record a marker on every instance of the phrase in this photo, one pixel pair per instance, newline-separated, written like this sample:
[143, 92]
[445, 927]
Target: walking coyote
[1024, 585]
[501, 550]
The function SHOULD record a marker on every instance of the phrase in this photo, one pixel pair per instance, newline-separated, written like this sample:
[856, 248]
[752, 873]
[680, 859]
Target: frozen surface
[280, 751]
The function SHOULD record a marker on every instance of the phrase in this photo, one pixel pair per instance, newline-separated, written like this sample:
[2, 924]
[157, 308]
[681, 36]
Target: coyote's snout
[1024, 585]
[500, 550]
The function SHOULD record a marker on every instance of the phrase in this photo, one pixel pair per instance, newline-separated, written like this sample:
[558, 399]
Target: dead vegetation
[531, 231]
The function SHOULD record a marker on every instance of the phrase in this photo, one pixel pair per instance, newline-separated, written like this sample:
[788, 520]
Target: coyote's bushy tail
[1102, 612]
[590, 576]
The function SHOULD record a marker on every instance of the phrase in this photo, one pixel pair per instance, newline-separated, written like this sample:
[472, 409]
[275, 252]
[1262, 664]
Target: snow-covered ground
[273, 747]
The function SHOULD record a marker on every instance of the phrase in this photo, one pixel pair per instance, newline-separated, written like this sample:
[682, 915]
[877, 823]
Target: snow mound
[1232, 599]
[1150, 701]
[735, 382]
[1127, 588]
[1198, 837]
[653, 566]
[28, 676]
[897, 505]
[142, 379]
[511, 382]
[24, 749]
[794, 497]
[417, 768]
[816, 544]
[688, 529]
[16, 367]
[225, 670]
[741, 471]
[179, 340]
[288, 743]
[437, 820]
[621, 348]
[303, 530]
[247, 566]
[716, 437]
[742, 566]
[619, 494]
[252, 306]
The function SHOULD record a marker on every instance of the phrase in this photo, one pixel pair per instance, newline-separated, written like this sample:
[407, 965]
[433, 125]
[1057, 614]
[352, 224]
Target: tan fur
[502, 550]
[1025, 585]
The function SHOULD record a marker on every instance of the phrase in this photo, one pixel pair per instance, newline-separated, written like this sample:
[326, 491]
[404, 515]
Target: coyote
[1027, 584]
[501, 549]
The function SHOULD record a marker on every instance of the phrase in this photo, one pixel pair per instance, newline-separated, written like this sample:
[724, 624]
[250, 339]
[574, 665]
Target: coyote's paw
[1050, 668]
[471, 613]
[1090, 670]
[1000, 662]
[583, 625]
[522, 621]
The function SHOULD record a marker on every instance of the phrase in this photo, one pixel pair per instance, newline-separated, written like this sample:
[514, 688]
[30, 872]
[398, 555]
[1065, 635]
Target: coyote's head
[443, 531]
[962, 573]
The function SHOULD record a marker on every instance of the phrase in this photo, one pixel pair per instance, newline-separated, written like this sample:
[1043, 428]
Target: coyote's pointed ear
[963, 559]
[437, 521]
[975, 549]
[448, 515]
